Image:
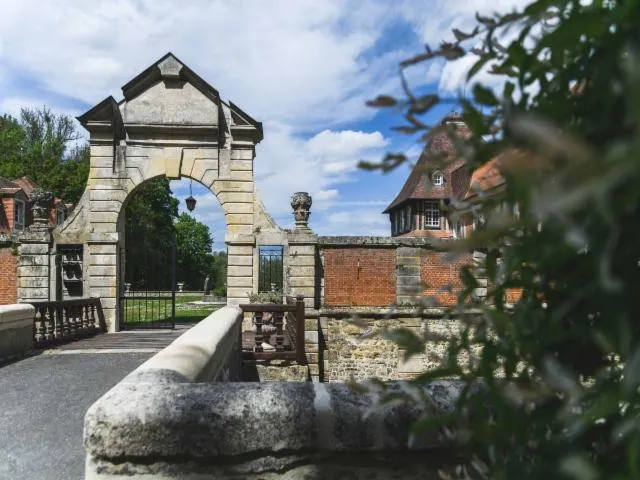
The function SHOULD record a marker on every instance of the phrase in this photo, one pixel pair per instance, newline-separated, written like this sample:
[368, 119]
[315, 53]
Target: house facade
[16, 198]
[438, 183]
[16, 202]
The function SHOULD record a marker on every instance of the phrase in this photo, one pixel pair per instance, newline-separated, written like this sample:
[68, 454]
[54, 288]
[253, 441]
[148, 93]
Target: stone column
[302, 275]
[303, 246]
[35, 244]
[239, 267]
[103, 278]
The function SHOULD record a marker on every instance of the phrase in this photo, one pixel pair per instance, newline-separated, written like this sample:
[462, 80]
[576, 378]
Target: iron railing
[57, 322]
[279, 326]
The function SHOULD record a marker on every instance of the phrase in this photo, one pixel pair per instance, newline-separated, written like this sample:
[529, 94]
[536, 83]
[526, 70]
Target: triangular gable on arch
[169, 93]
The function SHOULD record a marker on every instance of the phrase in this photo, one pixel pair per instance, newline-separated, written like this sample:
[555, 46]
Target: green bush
[568, 118]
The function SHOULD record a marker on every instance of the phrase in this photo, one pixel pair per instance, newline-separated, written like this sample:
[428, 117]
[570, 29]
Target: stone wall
[353, 344]
[8, 275]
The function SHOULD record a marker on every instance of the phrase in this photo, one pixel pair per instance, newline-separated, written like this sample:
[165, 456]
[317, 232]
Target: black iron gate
[148, 293]
[270, 271]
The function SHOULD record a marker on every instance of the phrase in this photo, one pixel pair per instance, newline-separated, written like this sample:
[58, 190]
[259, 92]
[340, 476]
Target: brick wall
[439, 274]
[359, 276]
[8, 276]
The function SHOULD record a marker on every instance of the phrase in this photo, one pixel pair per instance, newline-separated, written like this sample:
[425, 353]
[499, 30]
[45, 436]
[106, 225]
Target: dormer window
[18, 214]
[437, 178]
[60, 217]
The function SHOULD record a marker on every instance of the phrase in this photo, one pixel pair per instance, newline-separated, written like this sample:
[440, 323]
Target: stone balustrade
[66, 320]
[171, 419]
[16, 330]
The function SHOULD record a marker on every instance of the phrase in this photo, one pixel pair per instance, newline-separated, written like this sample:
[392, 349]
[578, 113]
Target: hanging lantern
[190, 201]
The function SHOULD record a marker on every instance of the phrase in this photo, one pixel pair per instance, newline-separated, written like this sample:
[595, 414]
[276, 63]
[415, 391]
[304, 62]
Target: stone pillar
[302, 275]
[408, 281]
[303, 246]
[103, 279]
[35, 243]
[33, 266]
[239, 268]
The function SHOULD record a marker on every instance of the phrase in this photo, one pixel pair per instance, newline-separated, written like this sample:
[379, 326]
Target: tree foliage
[40, 145]
[559, 371]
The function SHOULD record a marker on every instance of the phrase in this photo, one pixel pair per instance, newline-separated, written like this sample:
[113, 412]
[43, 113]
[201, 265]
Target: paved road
[43, 400]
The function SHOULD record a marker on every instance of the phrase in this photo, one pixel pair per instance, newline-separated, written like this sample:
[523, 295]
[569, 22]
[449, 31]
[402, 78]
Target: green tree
[194, 243]
[559, 394]
[150, 213]
[40, 146]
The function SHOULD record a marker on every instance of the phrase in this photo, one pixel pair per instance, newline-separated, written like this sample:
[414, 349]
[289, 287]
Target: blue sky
[304, 68]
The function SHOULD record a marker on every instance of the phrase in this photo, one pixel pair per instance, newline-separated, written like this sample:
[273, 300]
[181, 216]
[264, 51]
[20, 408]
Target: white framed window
[19, 209]
[60, 216]
[437, 178]
[432, 214]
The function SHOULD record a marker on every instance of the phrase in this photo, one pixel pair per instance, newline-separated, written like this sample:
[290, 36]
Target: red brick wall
[8, 276]
[359, 276]
[436, 273]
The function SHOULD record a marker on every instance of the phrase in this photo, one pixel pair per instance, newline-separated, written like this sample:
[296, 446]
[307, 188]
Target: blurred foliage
[560, 368]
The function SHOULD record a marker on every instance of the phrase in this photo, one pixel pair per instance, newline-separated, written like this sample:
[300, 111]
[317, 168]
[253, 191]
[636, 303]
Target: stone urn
[301, 204]
[180, 286]
[127, 287]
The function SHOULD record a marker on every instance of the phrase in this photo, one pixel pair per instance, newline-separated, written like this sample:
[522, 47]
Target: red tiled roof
[7, 186]
[439, 155]
[27, 184]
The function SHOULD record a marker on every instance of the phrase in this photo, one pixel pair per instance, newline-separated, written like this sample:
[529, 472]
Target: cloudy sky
[303, 67]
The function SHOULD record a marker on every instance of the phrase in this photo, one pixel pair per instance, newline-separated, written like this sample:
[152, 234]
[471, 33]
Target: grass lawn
[158, 309]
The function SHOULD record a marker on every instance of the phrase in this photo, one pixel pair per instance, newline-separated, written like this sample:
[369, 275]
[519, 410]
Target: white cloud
[287, 164]
[289, 61]
[435, 24]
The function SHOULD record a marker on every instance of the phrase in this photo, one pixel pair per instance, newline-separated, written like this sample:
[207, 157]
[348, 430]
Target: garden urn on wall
[301, 204]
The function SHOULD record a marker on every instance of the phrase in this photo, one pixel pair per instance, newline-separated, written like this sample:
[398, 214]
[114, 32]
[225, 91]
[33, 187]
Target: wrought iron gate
[148, 292]
[270, 270]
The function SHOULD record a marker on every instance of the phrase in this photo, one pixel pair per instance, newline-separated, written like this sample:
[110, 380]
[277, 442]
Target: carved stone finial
[42, 203]
[170, 68]
[301, 204]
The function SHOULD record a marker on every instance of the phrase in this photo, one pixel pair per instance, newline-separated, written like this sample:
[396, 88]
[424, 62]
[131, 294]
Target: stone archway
[172, 123]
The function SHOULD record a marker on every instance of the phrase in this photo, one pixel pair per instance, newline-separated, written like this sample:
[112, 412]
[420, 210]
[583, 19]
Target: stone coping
[201, 352]
[160, 415]
[391, 242]
[385, 312]
[16, 316]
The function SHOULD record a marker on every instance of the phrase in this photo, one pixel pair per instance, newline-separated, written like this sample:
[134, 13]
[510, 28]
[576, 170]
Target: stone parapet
[207, 352]
[156, 424]
[16, 330]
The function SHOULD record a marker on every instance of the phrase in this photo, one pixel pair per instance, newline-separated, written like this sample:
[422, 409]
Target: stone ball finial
[301, 204]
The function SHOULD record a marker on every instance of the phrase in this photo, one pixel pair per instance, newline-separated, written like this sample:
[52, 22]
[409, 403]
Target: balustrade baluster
[57, 322]
[92, 317]
[85, 318]
[50, 322]
[41, 330]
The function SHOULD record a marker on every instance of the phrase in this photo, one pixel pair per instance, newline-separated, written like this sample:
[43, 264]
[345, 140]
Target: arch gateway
[172, 123]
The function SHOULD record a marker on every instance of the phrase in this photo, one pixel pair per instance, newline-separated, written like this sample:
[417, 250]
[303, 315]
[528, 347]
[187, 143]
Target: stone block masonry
[8, 276]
